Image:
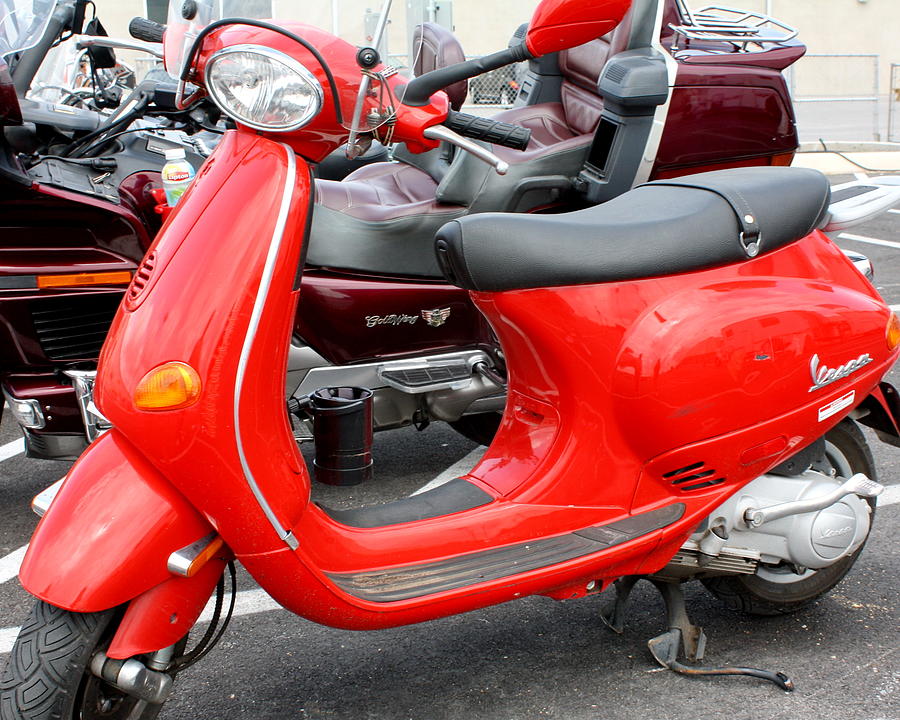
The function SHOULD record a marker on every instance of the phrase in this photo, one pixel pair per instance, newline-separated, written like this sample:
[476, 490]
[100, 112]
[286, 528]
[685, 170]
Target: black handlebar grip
[146, 30]
[480, 128]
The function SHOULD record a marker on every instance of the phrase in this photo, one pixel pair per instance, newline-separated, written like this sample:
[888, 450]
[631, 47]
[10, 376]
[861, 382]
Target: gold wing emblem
[436, 317]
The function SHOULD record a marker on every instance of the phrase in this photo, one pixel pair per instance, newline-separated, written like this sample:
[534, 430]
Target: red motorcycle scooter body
[704, 366]
[540, 481]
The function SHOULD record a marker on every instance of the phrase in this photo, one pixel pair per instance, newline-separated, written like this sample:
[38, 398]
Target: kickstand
[665, 647]
[616, 619]
[681, 633]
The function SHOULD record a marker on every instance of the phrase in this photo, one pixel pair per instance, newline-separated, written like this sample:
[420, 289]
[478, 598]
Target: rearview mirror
[562, 24]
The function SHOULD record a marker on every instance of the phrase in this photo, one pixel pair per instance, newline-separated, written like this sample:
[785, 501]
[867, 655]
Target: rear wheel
[48, 675]
[778, 590]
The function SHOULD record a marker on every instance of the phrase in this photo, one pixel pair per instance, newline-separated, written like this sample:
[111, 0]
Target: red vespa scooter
[721, 336]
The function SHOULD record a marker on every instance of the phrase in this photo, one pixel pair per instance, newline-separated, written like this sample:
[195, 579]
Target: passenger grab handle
[445, 134]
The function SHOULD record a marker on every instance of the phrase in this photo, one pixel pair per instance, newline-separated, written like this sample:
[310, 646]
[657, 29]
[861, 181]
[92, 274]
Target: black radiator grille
[74, 327]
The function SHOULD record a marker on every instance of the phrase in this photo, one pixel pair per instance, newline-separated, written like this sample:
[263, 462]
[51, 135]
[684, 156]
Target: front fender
[109, 532]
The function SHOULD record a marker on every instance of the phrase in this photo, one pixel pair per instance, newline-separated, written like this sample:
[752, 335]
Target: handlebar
[146, 30]
[492, 131]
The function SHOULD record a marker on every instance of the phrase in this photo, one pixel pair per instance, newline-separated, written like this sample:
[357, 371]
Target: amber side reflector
[119, 277]
[893, 332]
[783, 160]
[170, 386]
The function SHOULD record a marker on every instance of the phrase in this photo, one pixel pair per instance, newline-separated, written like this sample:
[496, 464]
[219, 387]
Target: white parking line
[460, 467]
[890, 496]
[870, 241]
[7, 639]
[896, 212]
[9, 565]
[11, 449]
[249, 602]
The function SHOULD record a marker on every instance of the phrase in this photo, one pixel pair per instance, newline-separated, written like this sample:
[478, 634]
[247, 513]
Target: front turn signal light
[893, 332]
[170, 386]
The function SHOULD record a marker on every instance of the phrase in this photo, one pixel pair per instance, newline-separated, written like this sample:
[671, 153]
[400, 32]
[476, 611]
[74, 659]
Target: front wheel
[48, 675]
[778, 590]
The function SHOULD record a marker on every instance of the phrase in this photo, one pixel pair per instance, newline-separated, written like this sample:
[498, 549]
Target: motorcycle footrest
[427, 377]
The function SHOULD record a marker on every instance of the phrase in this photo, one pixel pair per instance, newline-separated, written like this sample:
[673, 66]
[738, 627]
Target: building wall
[826, 26]
[839, 26]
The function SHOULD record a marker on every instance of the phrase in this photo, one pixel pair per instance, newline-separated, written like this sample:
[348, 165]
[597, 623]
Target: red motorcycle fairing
[135, 518]
[248, 204]
[539, 483]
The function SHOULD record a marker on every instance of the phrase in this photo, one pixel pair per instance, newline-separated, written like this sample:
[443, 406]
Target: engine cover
[813, 540]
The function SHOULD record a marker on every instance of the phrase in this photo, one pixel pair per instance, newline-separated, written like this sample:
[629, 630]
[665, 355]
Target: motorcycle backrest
[435, 47]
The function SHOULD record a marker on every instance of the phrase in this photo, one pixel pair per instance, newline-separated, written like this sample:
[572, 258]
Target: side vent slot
[141, 278]
[693, 477]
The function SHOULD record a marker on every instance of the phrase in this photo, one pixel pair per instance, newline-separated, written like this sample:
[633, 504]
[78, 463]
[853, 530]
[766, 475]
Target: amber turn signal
[120, 277]
[893, 332]
[170, 386]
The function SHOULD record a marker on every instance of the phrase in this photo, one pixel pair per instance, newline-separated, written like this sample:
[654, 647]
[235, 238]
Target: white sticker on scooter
[835, 406]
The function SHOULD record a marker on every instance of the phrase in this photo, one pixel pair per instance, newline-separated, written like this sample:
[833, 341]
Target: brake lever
[439, 132]
[84, 42]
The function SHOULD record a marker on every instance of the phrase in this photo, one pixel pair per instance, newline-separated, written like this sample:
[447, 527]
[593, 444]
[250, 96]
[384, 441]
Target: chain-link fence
[493, 90]
[497, 87]
[837, 97]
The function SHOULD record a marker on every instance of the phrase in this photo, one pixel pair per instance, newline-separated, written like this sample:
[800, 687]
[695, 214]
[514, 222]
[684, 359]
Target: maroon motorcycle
[668, 93]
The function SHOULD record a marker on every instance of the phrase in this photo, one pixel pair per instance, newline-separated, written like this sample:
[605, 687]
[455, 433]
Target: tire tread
[53, 645]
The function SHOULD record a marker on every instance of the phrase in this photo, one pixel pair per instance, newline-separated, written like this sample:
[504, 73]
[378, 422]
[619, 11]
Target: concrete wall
[827, 26]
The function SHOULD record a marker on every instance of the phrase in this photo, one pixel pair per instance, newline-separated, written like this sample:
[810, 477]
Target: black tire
[755, 595]
[479, 428]
[47, 677]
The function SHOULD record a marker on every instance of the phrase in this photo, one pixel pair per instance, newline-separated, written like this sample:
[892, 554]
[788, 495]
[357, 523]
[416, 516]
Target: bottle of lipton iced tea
[176, 175]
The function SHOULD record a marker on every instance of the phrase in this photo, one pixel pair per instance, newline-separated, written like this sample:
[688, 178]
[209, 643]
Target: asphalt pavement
[535, 657]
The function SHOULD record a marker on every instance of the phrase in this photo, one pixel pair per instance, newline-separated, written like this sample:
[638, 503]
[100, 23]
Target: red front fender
[108, 534]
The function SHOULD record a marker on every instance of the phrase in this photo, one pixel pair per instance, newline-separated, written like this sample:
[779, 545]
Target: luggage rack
[742, 28]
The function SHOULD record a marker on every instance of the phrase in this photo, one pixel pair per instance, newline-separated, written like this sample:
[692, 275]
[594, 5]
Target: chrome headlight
[263, 88]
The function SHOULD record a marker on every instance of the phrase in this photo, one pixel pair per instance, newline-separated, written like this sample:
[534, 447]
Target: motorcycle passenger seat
[660, 228]
[382, 218]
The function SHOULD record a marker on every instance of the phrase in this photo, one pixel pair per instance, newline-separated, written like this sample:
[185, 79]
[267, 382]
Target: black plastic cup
[342, 428]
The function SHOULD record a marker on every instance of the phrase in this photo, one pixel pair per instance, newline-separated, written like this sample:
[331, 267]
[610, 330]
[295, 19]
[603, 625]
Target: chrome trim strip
[265, 284]
[179, 562]
[14, 407]
[648, 160]
[369, 374]
[95, 423]
[18, 282]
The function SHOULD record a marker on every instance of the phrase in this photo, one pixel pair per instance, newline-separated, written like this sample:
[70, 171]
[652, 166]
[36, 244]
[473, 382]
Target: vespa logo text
[374, 320]
[835, 533]
[824, 375]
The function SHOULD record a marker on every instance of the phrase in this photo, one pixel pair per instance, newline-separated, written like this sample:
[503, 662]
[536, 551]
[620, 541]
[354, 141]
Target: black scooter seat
[661, 228]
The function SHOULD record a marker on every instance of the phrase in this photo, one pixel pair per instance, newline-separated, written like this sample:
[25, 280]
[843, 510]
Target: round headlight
[262, 88]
